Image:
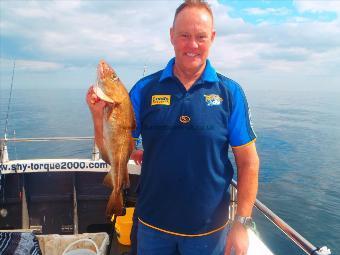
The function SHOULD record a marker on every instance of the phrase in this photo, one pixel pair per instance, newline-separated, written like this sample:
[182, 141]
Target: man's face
[192, 36]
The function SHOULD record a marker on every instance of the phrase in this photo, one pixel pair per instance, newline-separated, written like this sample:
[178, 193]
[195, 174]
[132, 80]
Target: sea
[298, 141]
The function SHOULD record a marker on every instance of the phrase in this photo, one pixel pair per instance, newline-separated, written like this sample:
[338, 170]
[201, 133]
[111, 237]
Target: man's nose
[193, 42]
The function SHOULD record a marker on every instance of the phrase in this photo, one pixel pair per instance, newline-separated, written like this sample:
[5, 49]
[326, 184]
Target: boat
[63, 201]
[66, 197]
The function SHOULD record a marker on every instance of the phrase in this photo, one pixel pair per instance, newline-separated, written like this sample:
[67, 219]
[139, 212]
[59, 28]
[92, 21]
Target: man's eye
[185, 35]
[202, 37]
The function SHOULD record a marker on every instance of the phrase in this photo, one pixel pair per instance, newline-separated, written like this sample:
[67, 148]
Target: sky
[280, 45]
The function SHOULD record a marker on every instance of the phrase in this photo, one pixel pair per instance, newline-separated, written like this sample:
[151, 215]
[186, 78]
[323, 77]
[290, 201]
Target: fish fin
[108, 111]
[108, 180]
[134, 125]
[132, 146]
[115, 205]
[109, 107]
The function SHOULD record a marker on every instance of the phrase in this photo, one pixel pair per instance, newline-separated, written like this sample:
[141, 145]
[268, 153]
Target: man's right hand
[137, 156]
[96, 105]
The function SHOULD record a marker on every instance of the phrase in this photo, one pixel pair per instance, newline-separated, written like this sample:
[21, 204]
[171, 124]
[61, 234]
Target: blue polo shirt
[186, 135]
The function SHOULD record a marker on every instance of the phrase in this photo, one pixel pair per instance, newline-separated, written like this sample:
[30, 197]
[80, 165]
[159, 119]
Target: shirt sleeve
[135, 98]
[240, 125]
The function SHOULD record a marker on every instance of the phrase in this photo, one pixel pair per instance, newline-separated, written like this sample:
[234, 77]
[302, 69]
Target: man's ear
[172, 35]
[213, 34]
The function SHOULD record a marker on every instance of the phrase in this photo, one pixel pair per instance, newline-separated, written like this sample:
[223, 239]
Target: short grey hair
[202, 4]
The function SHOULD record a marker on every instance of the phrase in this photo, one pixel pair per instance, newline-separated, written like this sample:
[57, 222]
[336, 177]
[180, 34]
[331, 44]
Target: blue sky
[275, 12]
[282, 45]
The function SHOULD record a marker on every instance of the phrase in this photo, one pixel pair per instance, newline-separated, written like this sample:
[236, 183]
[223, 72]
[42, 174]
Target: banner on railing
[60, 165]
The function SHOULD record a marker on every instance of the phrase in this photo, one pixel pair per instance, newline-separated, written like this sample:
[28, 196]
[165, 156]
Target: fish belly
[119, 145]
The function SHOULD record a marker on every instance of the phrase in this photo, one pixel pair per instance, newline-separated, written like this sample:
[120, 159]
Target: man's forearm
[247, 162]
[99, 140]
[247, 185]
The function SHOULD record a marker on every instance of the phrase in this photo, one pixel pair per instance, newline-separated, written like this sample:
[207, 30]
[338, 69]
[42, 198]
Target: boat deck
[117, 248]
[60, 203]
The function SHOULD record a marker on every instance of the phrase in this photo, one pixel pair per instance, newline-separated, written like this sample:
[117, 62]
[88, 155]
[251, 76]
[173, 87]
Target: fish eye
[114, 77]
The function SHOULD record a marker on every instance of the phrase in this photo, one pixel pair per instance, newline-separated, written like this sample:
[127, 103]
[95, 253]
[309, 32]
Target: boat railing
[4, 152]
[46, 139]
[291, 233]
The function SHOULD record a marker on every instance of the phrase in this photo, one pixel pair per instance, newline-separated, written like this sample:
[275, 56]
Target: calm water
[298, 142]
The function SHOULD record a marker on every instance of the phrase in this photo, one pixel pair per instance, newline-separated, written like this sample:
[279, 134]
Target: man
[188, 115]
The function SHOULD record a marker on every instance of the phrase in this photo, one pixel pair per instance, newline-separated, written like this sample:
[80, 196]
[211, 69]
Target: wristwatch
[247, 222]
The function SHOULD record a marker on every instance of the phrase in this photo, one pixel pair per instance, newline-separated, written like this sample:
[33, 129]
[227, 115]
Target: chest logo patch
[160, 100]
[184, 119]
[213, 99]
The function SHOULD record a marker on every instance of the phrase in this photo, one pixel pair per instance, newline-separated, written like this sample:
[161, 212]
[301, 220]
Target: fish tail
[123, 177]
[115, 205]
[122, 180]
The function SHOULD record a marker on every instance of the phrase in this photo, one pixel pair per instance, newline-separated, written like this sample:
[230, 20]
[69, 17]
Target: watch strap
[242, 219]
[247, 222]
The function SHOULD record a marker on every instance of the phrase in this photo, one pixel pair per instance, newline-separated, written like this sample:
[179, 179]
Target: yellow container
[124, 225]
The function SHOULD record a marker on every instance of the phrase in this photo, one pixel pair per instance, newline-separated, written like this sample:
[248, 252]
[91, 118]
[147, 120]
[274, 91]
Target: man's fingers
[137, 157]
[238, 250]
[137, 161]
[90, 95]
[231, 249]
[228, 247]
[92, 99]
[90, 90]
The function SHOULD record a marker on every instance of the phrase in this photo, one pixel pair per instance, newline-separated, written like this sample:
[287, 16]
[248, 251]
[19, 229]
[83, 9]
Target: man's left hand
[137, 156]
[237, 240]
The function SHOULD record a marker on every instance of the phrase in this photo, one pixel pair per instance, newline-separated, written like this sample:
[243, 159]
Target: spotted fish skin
[118, 123]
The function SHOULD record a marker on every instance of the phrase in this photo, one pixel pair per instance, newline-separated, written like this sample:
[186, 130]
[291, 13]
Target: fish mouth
[104, 72]
[101, 94]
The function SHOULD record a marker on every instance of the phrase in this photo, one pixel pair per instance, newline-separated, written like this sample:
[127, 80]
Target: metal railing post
[25, 218]
[75, 206]
[233, 202]
[95, 152]
[3, 151]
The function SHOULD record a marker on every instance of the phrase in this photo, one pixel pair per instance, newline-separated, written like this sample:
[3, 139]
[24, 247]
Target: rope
[79, 241]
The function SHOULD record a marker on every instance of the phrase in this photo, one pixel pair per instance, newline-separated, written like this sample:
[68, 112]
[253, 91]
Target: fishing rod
[9, 102]
[3, 144]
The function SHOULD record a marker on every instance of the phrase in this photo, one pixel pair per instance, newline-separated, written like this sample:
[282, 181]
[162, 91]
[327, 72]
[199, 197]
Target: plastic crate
[58, 244]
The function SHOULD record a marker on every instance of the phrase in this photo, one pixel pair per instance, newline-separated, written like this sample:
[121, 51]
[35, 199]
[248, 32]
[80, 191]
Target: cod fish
[118, 123]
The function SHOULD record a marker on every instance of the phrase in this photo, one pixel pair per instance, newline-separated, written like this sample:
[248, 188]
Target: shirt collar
[208, 75]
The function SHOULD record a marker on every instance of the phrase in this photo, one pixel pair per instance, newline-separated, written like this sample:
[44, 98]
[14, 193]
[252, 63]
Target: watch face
[248, 223]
